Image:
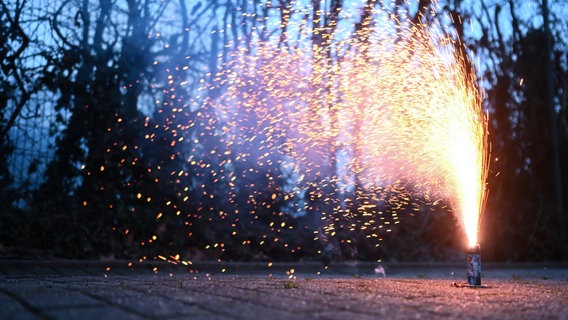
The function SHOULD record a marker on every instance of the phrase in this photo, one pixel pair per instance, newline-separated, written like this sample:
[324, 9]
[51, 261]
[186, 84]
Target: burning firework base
[473, 268]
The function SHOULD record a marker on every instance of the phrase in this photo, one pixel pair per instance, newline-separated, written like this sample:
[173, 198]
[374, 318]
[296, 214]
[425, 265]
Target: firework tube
[473, 254]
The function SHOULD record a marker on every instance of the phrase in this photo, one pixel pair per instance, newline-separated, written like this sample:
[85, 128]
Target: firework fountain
[397, 106]
[389, 112]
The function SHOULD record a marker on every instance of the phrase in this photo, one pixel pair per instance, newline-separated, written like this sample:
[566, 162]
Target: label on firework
[474, 265]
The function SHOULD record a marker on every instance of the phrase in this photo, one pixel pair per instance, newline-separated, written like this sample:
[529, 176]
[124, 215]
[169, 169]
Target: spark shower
[389, 114]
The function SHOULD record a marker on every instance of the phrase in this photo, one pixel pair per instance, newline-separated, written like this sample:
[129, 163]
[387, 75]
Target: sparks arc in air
[397, 104]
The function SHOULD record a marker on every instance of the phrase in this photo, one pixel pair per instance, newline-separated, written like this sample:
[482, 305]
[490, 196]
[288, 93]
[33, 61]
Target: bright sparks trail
[395, 112]
[420, 118]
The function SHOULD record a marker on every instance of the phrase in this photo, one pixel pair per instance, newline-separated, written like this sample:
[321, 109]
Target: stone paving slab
[111, 290]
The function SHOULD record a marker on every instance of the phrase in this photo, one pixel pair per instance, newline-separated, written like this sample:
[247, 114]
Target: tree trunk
[557, 170]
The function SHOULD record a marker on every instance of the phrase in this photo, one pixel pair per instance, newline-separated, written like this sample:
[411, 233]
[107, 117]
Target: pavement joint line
[187, 303]
[113, 304]
[199, 306]
[134, 289]
[232, 298]
[272, 307]
[296, 298]
[34, 310]
[74, 306]
[341, 308]
[210, 310]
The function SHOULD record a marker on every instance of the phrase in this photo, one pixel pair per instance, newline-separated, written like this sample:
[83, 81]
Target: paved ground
[113, 290]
